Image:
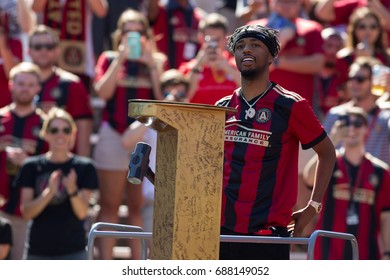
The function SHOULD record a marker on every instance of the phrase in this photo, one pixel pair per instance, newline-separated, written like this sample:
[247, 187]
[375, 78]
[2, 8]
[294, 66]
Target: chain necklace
[250, 113]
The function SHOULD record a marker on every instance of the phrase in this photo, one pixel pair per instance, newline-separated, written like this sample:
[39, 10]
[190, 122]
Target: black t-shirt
[56, 230]
[5, 234]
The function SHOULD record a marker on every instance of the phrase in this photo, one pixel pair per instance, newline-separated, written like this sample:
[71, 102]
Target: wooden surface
[188, 179]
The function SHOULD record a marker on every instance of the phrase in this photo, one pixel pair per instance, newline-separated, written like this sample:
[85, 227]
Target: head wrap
[264, 34]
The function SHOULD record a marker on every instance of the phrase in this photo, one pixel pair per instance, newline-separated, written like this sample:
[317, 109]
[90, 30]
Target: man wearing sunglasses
[59, 87]
[20, 123]
[357, 199]
[377, 140]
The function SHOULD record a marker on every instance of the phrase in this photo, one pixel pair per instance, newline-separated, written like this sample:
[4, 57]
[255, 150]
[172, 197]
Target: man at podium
[261, 151]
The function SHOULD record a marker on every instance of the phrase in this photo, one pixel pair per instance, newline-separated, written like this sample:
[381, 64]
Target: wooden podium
[188, 181]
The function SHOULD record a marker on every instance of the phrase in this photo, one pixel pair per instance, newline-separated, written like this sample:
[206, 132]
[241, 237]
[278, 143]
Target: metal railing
[127, 231]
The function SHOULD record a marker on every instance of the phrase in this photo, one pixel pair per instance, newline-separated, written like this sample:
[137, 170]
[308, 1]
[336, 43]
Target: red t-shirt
[307, 41]
[213, 84]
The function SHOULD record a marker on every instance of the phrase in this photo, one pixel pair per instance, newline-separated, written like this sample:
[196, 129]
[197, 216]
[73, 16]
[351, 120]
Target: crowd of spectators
[74, 54]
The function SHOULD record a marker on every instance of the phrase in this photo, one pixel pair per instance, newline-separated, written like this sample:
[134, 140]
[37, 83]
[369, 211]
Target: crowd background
[81, 50]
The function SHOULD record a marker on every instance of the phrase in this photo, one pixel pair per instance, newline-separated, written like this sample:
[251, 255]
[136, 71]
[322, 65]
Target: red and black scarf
[69, 22]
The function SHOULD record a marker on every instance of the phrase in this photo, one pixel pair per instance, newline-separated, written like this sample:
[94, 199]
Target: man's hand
[300, 219]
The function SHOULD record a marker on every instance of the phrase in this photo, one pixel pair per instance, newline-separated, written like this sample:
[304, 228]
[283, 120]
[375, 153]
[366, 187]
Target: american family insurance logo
[241, 134]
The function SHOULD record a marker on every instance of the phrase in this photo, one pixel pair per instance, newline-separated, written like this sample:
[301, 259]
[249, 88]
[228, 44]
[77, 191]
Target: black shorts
[254, 251]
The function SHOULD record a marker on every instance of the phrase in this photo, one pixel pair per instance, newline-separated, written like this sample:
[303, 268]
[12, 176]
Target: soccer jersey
[134, 82]
[65, 90]
[21, 132]
[260, 169]
[355, 198]
[177, 29]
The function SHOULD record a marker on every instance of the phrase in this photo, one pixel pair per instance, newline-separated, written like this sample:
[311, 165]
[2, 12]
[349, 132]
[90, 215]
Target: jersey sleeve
[383, 202]
[306, 125]
[101, 66]
[27, 174]
[78, 104]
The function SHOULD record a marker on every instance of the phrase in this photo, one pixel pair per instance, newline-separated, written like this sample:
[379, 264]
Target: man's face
[44, 51]
[24, 87]
[252, 57]
[355, 132]
[359, 83]
[331, 46]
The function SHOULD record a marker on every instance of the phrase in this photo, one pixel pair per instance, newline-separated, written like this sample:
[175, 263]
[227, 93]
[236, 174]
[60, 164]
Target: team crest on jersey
[55, 93]
[35, 131]
[174, 21]
[263, 115]
[374, 180]
[300, 41]
[338, 174]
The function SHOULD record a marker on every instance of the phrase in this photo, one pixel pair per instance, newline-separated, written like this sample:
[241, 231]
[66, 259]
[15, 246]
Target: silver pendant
[352, 217]
[250, 113]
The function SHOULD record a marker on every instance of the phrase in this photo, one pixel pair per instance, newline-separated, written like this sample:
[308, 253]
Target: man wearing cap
[261, 152]
[357, 199]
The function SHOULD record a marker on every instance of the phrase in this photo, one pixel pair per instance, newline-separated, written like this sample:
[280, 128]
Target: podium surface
[188, 181]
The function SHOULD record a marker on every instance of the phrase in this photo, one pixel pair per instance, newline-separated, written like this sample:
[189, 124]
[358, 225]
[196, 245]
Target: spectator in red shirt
[61, 88]
[118, 79]
[329, 89]
[20, 123]
[212, 73]
[175, 26]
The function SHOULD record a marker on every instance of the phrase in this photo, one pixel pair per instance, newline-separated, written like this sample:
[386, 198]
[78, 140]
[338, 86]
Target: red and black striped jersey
[21, 132]
[355, 198]
[261, 158]
[65, 90]
[134, 82]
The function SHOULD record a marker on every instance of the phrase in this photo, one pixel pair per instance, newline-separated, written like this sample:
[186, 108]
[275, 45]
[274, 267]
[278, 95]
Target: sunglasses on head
[56, 130]
[359, 79]
[39, 47]
[367, 26]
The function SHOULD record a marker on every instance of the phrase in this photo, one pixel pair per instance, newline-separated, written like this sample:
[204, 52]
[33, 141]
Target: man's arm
[326, 160]
[99, 7]
[310, 64]
[324, 10]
